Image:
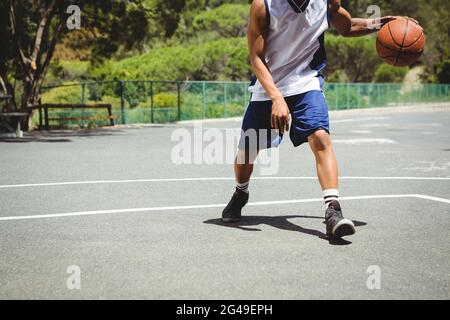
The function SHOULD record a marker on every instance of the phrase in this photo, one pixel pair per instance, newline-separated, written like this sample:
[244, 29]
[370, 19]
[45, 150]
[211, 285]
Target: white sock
[243, 186]
[330, 195]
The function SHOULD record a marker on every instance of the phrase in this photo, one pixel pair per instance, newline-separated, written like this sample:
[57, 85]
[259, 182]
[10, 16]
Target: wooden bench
[44, 119]
[11, 121]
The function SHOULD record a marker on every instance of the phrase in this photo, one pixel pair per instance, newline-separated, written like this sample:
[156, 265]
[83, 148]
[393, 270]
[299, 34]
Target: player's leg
[243, 169]
[326, 164]
[256, 122]
[327, 172]
[310, 123]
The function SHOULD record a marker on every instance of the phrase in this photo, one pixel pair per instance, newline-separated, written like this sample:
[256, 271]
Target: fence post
[358, 97]
[83, 90]
[246, 95]
[46, 121]
[378, 104]
[336, 96]
[348, 95]
[179, 99]
[151, 103]
[224, 99]
[122, 102]
[41, 127]
[83, 111]
[203, 98]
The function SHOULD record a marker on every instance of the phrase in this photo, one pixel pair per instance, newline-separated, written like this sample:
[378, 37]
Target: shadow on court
[248, 223]
[61, 135]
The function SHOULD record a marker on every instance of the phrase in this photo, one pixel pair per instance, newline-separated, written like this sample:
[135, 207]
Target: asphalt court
[112, 202]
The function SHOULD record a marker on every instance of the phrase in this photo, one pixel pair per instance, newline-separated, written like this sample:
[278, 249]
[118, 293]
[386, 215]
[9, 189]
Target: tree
[356, 57]
[31, 30]
[169, 14]
[228, 20]
[387, 73]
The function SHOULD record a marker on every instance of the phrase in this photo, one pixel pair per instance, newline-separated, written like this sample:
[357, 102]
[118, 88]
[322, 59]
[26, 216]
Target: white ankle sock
[330, 195]
[243, 186]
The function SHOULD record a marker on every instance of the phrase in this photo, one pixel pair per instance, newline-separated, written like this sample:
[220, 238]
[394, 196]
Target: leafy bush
[214, 60]
[356, 57]
[228, 20]
[388, 73]
[68, 94]
[166, 100]
[134, 92]
[443, 71]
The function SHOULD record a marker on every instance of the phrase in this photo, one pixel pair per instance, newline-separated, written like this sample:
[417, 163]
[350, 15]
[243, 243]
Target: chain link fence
[142, 102]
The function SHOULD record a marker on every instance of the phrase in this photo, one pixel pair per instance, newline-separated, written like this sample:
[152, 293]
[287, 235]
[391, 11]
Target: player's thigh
[309, 114]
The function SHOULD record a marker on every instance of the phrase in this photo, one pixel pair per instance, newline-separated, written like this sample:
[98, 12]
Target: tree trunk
[8, 89]
[35, 63]
[29, 99]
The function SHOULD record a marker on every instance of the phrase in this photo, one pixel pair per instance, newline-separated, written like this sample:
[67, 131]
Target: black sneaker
[232, 212]
[337, 226]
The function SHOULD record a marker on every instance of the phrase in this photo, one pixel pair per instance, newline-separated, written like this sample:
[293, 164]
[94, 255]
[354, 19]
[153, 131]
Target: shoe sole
[228, 220]
[344, 228]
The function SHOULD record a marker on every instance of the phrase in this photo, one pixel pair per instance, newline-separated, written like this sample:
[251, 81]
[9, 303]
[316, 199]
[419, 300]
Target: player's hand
[280, 117]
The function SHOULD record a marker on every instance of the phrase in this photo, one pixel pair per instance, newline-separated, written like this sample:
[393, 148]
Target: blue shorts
[309, 113]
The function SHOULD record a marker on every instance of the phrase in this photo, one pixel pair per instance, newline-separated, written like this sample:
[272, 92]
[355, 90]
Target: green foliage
[67, 94]
[388, 73]
[63, 71]
[205, 40]
[433, 16]
[97, 91]
[338, 75]
[443, 71]
[134, 92]
[228, 20]
[165, 100]
[32, 29]
[217, 3]
[169, 14]
[215, 60]
[356, 57]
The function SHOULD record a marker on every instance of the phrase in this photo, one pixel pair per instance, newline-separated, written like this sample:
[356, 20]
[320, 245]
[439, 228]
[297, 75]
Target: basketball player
[287, 54]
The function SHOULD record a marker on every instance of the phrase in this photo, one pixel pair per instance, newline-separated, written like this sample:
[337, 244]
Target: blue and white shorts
[309, 113]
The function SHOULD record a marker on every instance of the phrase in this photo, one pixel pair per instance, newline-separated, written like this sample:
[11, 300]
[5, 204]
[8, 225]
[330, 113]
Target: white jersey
[294, 48]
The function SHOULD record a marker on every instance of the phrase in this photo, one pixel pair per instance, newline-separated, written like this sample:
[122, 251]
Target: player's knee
[246, 157]
[320, 140]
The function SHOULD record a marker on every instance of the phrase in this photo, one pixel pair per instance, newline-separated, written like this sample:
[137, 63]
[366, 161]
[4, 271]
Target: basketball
[400, 42]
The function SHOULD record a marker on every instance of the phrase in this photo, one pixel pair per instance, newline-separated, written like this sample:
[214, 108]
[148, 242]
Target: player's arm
[348, 26]
[256, 34]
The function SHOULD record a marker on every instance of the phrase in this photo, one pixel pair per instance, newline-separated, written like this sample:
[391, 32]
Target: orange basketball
[400, 42]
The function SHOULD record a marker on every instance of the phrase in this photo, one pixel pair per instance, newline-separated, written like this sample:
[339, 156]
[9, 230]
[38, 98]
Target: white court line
[360, 119]
[48, 184]
[422, 196]
[221, 205]
[365, 140]
[239, 119]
